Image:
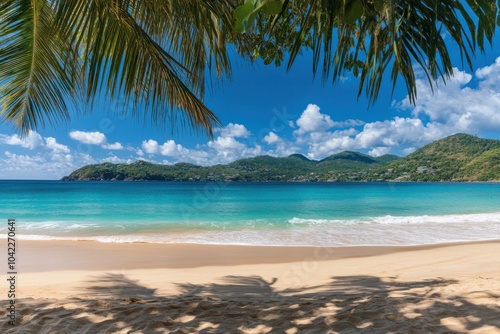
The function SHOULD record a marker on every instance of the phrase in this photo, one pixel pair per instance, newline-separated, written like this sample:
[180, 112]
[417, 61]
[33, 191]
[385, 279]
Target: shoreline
[93, 287]
[82, 254]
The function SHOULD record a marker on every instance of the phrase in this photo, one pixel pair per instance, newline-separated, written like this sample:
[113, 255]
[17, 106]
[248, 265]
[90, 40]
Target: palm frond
[35, 86]
[159, 54]
[156, 54]
[386, 35]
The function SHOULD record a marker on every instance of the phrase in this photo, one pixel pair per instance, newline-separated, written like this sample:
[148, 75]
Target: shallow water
[253, 213]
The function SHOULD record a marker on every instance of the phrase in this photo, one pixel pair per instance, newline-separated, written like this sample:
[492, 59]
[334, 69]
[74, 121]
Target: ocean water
[313, 214]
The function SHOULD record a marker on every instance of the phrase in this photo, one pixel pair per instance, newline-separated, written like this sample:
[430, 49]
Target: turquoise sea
[316, 214]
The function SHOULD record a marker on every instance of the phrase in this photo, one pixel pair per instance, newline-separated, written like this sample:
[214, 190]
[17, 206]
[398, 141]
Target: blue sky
[265, 110]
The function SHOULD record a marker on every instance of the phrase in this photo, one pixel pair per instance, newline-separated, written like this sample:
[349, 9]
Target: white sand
[90, 287]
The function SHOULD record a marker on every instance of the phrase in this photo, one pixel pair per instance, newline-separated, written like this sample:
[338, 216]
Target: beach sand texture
[90, 287]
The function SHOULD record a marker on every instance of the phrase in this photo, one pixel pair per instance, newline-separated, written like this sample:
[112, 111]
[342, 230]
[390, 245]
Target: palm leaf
[370, 37]
[156, 54]
[35, 85]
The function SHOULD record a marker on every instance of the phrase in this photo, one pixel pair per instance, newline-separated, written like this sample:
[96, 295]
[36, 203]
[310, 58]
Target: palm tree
[158, 54]
[371, 37]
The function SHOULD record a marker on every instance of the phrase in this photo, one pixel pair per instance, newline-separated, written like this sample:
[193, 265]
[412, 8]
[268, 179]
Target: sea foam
[386, 230]
[493, 217]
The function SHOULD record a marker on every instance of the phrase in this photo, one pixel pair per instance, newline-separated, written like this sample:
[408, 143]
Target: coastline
[162, 288]
[52, 255]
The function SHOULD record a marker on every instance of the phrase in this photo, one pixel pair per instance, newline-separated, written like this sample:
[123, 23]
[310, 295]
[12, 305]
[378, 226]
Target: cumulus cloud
[222, 149]
[95, 138]
[41, 166]
[115, 146]
[114, 159]
[150, 146]
[312, 120]
[225, 144]
[52, 144]
[377, 138]
[31, 141]
[34, 141]
[489, 75]
[458, 107]
[379, 151]
[90, 138]
[233, 130]
[23, 160]
[396, 132]
[168, 148]
[272, 138]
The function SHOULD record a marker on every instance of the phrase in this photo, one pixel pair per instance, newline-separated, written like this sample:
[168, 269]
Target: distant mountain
[343, 166]
[459, 157]
[299, 156]
[350, 156]
[386, 158]
[348, 161]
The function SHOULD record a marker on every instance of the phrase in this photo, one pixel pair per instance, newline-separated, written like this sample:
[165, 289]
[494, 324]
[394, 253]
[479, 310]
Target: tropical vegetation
[459, 157]
[158, 55]
[345, 166]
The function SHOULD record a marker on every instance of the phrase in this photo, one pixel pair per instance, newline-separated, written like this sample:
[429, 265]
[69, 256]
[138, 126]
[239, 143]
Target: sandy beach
[91, 287]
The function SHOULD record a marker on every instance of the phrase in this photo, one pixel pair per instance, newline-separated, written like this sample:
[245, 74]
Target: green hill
[345, 166]
[485, 167]
[387, 158]
[348, 161]
[460, 157]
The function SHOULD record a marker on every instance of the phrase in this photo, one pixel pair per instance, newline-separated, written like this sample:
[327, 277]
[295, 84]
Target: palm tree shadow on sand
[240, 304]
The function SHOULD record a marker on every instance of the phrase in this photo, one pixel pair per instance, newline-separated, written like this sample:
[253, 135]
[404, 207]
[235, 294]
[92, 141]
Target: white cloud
[233, 130]
[20, 160]
[52, 144]
[41, 166]
[272, 138]
[396, 132]
[34, 141]
[489, 74]
[225, 143]
[31, 141]
[115, 146]
[228, 149]
[457, 108]
[379, 151]
[150, 146]
[375, 137]
[114, 159]
[312, 120]
[91, 138]
[322, 146]
[168, 148]
[95, 138]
